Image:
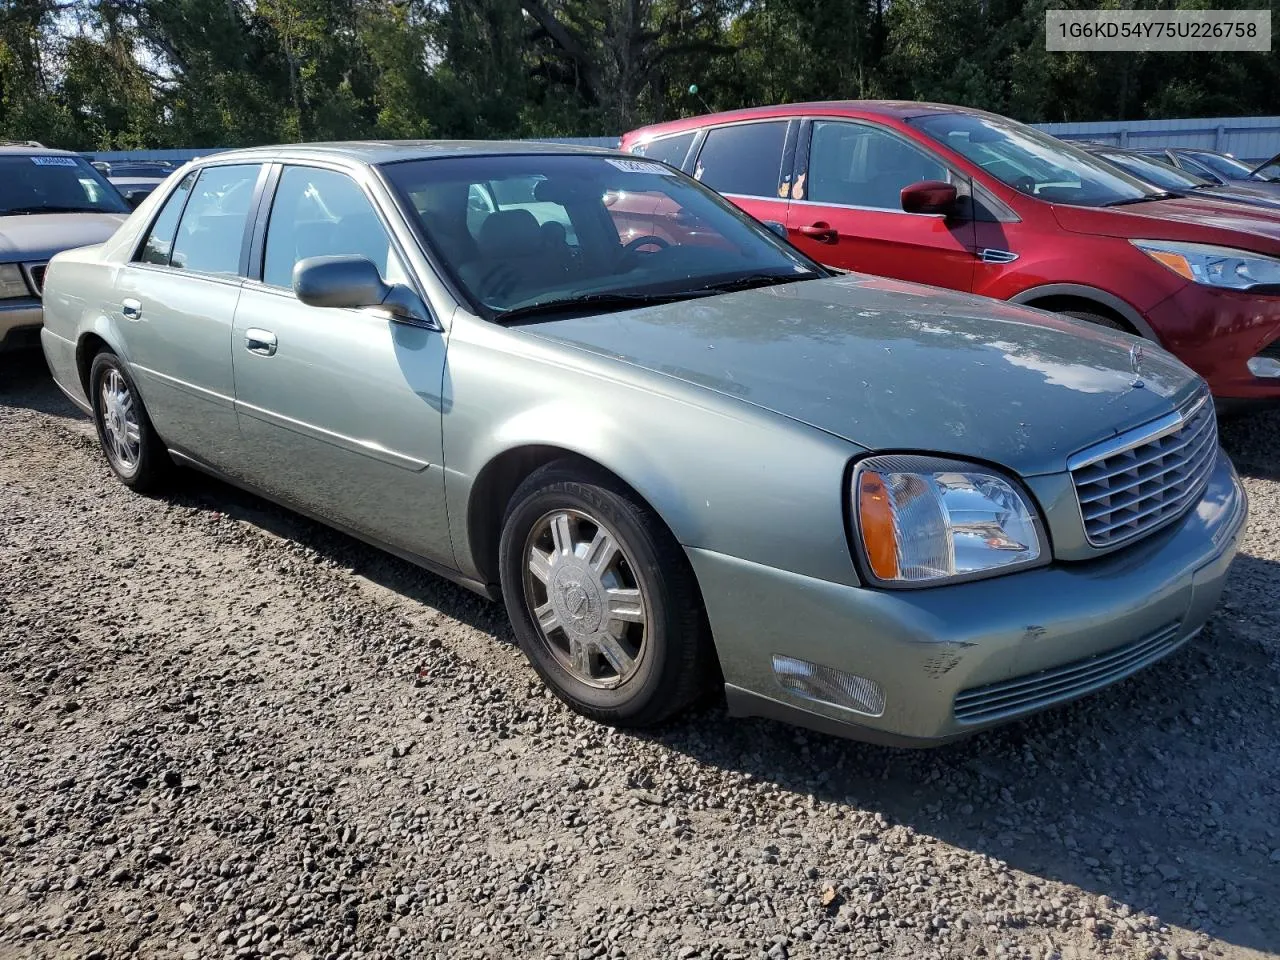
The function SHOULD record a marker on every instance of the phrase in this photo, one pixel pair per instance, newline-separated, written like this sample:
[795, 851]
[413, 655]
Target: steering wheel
[634, 246]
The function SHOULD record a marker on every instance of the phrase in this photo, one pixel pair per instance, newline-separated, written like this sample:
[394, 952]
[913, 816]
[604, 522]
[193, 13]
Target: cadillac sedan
[681, 452]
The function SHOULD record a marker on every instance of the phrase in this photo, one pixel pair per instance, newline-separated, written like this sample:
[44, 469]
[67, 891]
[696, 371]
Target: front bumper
[20, 323]
[1041, 629]
[1216, 333]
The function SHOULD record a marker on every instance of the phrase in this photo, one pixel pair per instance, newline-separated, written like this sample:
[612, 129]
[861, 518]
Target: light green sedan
[683, 454]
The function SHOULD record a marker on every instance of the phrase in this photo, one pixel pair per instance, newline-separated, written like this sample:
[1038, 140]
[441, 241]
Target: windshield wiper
[592, 302]
[1162, 195]
[753, 280]
[53, 208]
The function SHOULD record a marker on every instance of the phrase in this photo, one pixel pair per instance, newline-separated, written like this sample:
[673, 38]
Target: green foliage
[122, 74]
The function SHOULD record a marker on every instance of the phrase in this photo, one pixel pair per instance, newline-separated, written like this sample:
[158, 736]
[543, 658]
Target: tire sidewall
[634, 697]
[142, 473]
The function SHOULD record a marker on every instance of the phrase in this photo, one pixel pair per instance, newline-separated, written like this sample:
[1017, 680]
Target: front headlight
[1213, 266]
[12, 283]
[920, 521]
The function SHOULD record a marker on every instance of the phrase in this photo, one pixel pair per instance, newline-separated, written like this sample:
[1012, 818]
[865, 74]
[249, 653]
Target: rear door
[340, 410]
[177, 301]
[846, 209]
[749, 163]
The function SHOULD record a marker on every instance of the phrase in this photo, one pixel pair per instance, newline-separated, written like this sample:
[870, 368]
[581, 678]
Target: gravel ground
[228, 731]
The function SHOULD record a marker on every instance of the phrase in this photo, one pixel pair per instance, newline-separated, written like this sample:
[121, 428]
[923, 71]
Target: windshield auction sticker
[641, 166]
[54, 161]
[1158, 30]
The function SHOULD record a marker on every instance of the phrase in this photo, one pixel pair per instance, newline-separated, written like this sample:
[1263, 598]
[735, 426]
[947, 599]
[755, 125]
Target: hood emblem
[1136, 353]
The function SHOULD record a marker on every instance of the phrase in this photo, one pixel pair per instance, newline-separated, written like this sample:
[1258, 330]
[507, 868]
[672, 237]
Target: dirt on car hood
[897, 366]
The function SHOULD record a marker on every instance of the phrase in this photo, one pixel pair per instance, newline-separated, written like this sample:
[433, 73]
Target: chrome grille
[1134, 483]
[1009, 698]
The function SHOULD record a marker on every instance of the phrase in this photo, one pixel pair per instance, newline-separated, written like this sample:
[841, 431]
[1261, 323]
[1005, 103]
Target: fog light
[829, 685]
[1264, 367]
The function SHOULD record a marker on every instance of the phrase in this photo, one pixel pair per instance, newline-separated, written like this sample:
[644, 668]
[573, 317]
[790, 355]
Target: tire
[133, 450]
[1100, 319]
[634, 616]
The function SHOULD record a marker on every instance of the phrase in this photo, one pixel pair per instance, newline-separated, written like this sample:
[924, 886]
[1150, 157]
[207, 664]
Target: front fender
[722, 474]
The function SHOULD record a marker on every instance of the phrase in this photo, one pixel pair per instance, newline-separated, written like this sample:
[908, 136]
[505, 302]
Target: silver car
[681, 452]
[50, 201]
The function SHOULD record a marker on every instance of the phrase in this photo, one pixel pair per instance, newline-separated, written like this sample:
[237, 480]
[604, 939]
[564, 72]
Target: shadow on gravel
[1160, 793]
[1253, 442]
[25, 382]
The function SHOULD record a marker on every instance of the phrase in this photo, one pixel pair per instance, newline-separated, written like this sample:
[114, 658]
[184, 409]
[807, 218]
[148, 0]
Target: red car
[973, 201]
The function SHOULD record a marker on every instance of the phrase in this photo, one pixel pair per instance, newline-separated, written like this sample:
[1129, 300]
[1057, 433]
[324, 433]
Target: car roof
[12, 149]
[897, 109]
[374, 152]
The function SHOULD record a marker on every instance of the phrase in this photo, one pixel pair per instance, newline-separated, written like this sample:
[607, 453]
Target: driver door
[339, 410]
[846, 209]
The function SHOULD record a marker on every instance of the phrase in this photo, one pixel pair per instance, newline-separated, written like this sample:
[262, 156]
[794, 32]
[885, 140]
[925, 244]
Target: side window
[1198, 168]
[165, 227]
[744, 159]
[860, 166]
[670, 150]
[324, 213]
[211, 233]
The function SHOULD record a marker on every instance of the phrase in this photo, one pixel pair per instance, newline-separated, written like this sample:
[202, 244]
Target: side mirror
[353, 283]
[929, 196]
[779, 228]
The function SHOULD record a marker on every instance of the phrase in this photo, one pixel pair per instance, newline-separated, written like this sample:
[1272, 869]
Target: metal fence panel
[1250, 138]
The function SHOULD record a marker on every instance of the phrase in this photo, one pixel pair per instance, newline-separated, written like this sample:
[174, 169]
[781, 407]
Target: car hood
[1239, 193]
[897, 366]
[39, 236]
[1253, 228]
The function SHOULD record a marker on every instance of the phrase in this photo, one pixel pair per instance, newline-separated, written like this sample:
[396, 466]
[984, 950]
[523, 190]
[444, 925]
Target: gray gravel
[230, 732]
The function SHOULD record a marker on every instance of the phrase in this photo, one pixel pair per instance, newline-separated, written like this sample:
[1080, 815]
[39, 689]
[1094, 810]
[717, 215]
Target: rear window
[744, 159]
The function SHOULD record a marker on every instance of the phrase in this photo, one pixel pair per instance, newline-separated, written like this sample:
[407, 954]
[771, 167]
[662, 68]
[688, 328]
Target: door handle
[131, 309]
[261, 342]
[821, 231]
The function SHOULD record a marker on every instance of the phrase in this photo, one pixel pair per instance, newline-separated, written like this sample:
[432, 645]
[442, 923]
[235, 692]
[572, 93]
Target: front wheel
[133, 450]
[601, 597]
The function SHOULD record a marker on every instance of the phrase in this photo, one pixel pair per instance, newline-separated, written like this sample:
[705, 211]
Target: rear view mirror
[353, 283]
[779, 228]
[929, 196]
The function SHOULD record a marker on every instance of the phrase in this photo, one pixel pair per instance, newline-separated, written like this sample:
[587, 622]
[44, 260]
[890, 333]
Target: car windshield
[1229, 168]
[55, 184]
[1269, 170]
[1034, 163]
[1163, 175]
[530, 232]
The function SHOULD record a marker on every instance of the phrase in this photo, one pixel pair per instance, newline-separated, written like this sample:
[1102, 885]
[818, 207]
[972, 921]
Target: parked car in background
[1166, 176]
[50, 200]
[135, 179]
[1222, 168]
[973, 201]
[668, 439]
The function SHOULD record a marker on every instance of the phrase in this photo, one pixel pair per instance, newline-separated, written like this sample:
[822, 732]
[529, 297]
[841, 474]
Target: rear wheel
[601, 597]
[133, 450]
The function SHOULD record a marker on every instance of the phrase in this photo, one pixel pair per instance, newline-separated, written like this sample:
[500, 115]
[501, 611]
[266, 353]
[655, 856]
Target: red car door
[846, 208]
